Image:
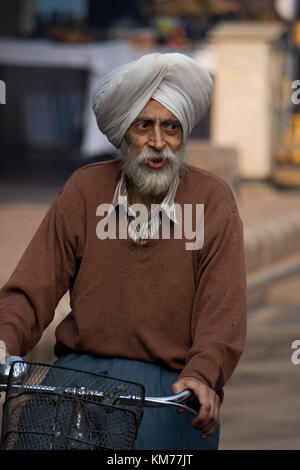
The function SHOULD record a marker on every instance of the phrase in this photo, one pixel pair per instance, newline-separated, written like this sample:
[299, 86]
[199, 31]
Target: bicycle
[52, 407]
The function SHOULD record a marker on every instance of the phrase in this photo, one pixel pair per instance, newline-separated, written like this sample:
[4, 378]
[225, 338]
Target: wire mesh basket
[51, 407]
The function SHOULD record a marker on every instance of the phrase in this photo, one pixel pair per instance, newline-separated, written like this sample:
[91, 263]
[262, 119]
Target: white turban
[176, 81]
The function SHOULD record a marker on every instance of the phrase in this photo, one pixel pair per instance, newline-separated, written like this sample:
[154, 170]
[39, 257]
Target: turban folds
[175, 80]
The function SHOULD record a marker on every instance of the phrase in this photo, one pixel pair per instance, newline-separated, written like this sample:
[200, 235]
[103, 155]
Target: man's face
[152, 150]
[155, 128]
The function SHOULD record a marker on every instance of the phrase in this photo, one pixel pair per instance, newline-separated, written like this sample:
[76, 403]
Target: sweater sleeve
[219, 314]
[42, 276]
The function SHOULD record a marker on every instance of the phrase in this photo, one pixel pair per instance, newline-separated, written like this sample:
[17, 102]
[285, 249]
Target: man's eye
[143, 125]
[172, 127]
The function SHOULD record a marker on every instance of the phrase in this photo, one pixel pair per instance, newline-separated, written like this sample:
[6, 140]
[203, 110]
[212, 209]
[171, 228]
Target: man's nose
[157, 140]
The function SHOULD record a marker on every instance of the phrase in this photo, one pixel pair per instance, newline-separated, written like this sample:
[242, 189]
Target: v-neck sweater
[157, 302]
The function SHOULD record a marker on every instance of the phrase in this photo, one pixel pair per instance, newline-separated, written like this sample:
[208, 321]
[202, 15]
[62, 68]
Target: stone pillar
[249, 64]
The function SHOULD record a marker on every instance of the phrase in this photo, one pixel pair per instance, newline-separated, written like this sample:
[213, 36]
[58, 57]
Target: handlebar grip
[193, 402]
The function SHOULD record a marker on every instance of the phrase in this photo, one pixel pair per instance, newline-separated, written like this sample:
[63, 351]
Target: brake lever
[185, 400]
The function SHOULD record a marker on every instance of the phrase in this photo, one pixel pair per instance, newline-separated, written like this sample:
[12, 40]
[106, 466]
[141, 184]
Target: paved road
[262, 400]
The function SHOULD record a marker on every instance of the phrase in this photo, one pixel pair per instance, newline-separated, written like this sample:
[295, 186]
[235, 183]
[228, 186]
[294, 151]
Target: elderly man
[145, 306]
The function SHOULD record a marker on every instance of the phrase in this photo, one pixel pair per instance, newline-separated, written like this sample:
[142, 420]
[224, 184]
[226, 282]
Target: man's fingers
[206, 406]
[178, 387]
[209, 430]
[209, 412]
[206, 434]
[208, 416]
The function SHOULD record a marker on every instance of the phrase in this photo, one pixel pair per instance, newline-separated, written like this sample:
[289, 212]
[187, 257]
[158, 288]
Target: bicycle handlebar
[185, 400]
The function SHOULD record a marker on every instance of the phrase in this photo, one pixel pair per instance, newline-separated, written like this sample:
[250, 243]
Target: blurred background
[52, 54]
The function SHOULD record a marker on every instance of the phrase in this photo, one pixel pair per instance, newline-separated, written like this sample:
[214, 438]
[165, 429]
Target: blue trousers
[161, 428]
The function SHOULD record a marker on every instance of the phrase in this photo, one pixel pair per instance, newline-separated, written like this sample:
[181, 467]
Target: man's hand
[4, 352]
[208, 417]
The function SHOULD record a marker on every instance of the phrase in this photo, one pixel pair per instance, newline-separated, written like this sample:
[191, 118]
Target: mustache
[165, 154]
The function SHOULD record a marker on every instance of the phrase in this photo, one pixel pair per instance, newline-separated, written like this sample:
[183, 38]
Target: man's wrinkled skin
[157, 128]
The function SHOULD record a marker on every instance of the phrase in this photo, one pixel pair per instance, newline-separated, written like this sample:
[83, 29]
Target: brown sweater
[158, 302]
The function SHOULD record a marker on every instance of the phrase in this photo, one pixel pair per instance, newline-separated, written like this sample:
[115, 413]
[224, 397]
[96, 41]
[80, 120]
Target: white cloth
[175, 80]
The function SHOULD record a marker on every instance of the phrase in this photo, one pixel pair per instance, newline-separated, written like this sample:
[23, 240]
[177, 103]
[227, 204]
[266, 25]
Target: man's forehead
[156, 111]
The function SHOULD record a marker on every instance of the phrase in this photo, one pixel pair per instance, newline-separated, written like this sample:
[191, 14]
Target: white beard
[150, 181]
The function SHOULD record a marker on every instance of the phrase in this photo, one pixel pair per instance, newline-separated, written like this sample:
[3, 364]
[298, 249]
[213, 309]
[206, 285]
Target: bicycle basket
[50, 407]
